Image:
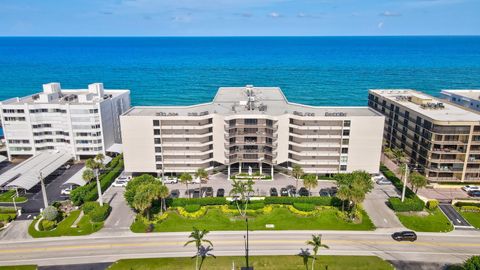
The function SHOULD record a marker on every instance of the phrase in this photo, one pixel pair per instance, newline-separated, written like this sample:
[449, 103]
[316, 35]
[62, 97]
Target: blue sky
[238, 17]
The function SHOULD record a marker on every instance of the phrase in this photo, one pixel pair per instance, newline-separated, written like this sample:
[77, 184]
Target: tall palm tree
[417, 181]
[186, 178]
[242, 190]
[316, 243]
[202, 175]
[310, 181]
[88, 175]
[344, 195]
[297, 173]
[198, 238]
[143, 201]
[162, 194]
[204, 252]
[96, 164]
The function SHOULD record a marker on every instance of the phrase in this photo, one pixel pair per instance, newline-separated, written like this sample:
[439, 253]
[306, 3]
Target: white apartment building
[465, 98]
[80, 122]
[251, 127]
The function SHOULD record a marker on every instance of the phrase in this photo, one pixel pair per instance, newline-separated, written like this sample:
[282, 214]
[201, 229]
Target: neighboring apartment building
[83, 122]
[441, 139]
[251, 127]
[465, 98]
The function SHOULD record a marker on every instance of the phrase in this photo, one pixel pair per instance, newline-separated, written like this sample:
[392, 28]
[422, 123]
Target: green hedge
[88, 207]
[319, 201]
[7, 217]
[460, 204]
[46, 225]
[409, 204]
[100, 213]
[305, 207]
[192, 208]
[181, 202]
[7, 210]
[432, 204]
[396, 182]
[252, 205]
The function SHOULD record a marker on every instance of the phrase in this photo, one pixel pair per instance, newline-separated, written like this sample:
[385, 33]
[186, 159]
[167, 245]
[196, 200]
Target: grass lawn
[19, 267]
[258, 262]
[282, 218]
[436, 221]
[7, 197]
[472, 218]
[63, 228]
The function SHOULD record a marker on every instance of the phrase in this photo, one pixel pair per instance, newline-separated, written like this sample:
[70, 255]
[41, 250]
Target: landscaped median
[258, 262]
[470, 211]
[7, 197]
[7, 214]
[270, 213]
[413, 213]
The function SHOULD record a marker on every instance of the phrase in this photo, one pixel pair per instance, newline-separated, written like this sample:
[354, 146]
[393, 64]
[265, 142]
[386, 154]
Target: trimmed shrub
[468, 208]
[181, 202]
[46, 225]
[191, 208]
[473, 263]
[432, 204]
[252, 205]
[305, 207]
[408, 205]
[7, 217]
[50, 213]
[318, 201]
[100, 213]
[7, 210]
[460, 204]
[202, 211]
[88, 207]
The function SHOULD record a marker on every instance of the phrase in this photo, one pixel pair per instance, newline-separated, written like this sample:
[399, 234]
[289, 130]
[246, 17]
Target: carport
[77, 178]
[2, 159]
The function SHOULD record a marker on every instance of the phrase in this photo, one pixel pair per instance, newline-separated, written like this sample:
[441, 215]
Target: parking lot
[443, 193]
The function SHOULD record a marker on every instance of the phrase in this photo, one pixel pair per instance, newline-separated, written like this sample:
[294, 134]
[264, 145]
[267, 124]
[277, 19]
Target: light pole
[44, 190]
[405, 176]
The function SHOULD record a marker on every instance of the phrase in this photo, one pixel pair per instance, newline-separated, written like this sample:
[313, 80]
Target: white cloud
[307, 15]
[390, 14]
[274, 15]
[380, 25]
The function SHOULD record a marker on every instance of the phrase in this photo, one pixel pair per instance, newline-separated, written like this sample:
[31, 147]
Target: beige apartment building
[251, 129]
[441, 139]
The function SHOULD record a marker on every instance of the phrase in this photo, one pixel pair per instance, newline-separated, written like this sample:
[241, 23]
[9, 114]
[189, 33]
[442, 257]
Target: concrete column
[240, 167]
[260, 166]
[272, 171]
[228, 175]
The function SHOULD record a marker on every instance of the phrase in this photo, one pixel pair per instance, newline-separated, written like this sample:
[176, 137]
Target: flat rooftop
[249, 100]
[433, 108]
[473, 94]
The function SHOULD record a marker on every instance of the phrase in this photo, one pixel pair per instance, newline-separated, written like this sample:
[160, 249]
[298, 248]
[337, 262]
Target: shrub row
[89, 191]
[7, 210]
[467, 208]
[409, 204]
[7, 217]
[305, 207]
[318, 201]
[396, 182]
[191, 208]
[460, 204]
[181, 202]
[252, 205]
[46, 225]
[100, 213]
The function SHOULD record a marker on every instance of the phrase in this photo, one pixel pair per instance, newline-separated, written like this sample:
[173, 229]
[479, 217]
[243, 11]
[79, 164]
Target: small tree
[198, 238]
[310, 181]
[417, 181]
[297, 173]
[50, 213]
[201, 174]
[473, 263]
[162, 194]
[186, 178]
[145, 196]
[316, 243]
[96, 164]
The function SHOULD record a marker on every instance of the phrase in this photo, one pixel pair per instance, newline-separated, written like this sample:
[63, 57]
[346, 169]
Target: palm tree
[297, 173]
[162, 194]
[417, 181]
[242, 190]
[143, 201]
[198, 239]
[88, 175]
[343, 194]
[186, 178]
[316, 243]
[204, 252]
[310, 181]
[202, 175]
[96, 164]
[305, 254]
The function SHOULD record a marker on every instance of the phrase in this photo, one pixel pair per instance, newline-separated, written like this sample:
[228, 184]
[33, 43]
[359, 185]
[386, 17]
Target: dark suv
[474, 193]
[208, 192]
[273, 192]
[303, 192]
[405, 236]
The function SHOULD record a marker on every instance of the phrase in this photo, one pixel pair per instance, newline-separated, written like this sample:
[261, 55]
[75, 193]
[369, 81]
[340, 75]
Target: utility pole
[405, 177]
[247, 267]
[44, 190]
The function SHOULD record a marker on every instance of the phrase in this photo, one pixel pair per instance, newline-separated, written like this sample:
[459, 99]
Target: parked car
[196, 180]
[333, 191]
[405, 236]
[120, 183]
[292, 191]
[220, 192]
[324, 192]
[175, 193]
[66, 167]
[471, 188]
[383, 181]
[284, 192]
[474, 193]
[66, 191]
[170, 180]
[196, 193]
[303, 192]
[273, 192]
[208, 192]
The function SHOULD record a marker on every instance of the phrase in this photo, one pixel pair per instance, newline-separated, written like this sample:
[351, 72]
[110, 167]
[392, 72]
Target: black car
[273, 192]
[324, 192]
[303, 192]
[284, 192]
[208, 192]
[333, 191]
[474, 193]
[292, 190]
[196, 193]
[220, 192]
[175, 193]
[405, 236]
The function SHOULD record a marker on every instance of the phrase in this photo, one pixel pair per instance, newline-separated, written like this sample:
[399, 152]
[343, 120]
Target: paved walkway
[121, 216]
[17, 230]
[375, 205]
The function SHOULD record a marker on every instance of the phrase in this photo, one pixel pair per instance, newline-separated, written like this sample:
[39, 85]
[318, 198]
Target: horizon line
[220, 36]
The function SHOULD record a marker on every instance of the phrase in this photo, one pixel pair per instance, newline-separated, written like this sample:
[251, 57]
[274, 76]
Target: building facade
[251, 127]
[442, 140]
[466, 98]
[82, 122]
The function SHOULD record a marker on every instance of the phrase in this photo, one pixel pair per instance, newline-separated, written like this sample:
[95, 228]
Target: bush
[467, 208]
[100, 213]
[134, 184]
[318, 201]
[473, 263]
[432, 204]
[50, 213]
[7, 210]
[202, 211]
[305, 207]
[252, 205]
[408, 205]
[192, 208]
[46, 225]
[7, 217]
[460, 204]
[181, 202]
[88, 207]
[397, 182]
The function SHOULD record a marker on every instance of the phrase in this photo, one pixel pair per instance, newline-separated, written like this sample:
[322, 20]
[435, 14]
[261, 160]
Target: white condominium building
[465, 98]
[251, 127]
[81, 122]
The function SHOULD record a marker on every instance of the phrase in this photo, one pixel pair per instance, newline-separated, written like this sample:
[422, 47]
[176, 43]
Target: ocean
[329, 71]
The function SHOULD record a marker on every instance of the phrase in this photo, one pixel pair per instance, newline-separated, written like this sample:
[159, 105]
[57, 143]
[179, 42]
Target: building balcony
[315, 161]
[315, 136]
[315, 144]
[186, 153]
[315, 127]
[315, 153]
[183, 135]
[185, 144]
[436, 160]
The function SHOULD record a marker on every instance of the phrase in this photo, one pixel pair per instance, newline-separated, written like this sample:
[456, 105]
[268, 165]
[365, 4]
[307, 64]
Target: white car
[196, 180]
[120, 182]
[66, 191]
[168, 180]
[470, 188]
[383, 181]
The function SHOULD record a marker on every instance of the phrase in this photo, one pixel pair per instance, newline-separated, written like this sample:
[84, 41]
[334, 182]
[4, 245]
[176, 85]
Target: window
[344, 150]
[346, 123]
[156, 123]
[343, 159]
[345, 141]
[158, 149]
[156, 132]
[251, 121]
[346, 132]
[159, 166]
[343, 167]
[158, 158]
[157, 141]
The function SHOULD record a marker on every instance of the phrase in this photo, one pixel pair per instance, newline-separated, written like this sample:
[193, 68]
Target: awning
[2, 159]
[77, 178]
[45, 164]
[116, 148]
[21, 168]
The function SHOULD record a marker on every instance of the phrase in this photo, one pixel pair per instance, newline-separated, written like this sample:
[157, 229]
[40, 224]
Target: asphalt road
[455, 217]
[430, 247]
